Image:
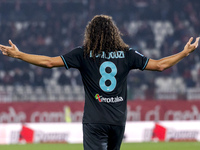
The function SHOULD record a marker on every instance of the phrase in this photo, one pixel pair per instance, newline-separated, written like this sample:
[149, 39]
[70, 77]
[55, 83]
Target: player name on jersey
[110, 55]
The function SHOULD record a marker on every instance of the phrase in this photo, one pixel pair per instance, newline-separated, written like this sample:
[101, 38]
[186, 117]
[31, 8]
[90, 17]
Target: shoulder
[78, 49]
[73, 59]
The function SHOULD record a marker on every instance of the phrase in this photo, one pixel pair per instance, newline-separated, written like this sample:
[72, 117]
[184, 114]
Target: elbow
[160, 68]
[52, 62]
[156, 65]
[48, 64]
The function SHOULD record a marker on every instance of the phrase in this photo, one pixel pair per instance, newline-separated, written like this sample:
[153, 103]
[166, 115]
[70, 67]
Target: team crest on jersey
[102, 99]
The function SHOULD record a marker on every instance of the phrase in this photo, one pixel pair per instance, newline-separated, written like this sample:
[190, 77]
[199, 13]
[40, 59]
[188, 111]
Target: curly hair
[101, 34]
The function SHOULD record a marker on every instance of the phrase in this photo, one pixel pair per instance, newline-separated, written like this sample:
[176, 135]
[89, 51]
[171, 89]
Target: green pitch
[125, 146]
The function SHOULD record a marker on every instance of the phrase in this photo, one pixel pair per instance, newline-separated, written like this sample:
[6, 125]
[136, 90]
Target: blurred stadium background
[156, 28]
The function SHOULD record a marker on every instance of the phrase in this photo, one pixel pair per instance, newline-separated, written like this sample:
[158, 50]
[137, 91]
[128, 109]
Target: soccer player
[104, 62]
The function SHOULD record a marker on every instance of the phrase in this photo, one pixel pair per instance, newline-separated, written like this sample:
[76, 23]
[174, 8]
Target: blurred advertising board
[162, 131]
[34, 112]
[143, 131]
[41, 133]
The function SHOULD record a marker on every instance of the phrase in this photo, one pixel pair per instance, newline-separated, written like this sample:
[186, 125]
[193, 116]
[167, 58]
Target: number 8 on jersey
[107, 76]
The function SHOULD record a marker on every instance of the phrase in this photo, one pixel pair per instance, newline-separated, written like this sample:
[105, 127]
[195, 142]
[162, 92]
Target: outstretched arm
[167, 62]
[39, 60]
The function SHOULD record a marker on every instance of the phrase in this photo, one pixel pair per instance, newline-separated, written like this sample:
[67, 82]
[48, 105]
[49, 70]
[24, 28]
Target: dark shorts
[102, 136]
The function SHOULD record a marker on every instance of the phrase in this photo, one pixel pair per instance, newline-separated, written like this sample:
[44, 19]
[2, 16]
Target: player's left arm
[38, 60]
[167, 62]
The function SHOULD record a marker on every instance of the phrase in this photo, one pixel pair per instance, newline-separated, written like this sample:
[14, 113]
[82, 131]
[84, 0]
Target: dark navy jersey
[105, 82]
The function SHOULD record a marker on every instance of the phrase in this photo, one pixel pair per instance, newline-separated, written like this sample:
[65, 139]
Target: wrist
[18, 55]
[184, 53]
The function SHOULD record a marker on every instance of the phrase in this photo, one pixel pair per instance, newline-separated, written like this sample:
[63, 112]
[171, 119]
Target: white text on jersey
[110, 55]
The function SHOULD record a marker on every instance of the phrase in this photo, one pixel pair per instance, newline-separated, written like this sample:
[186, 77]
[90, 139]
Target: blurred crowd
[156, 28]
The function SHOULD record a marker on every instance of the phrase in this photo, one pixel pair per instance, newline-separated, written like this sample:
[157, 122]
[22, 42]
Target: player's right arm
[38, 60]
[167, 62]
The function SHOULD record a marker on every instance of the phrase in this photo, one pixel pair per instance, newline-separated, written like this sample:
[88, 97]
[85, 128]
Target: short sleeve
[136, 60]
[73, 58]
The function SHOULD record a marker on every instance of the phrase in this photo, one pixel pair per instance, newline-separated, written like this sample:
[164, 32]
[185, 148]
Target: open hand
[11, 51]
[189, 48]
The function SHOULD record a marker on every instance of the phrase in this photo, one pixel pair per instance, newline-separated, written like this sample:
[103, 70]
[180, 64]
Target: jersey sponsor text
[108, 100]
